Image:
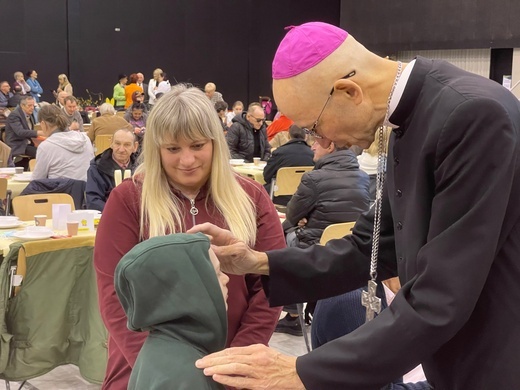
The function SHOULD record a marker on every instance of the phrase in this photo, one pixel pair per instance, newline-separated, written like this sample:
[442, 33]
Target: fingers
[207, 228]
[227, 355]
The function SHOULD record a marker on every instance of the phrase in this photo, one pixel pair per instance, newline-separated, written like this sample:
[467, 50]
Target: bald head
[357, 105]
[61, 97]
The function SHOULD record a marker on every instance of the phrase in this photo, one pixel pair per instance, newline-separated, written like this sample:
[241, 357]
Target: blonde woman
[64, 85]
[185, 179]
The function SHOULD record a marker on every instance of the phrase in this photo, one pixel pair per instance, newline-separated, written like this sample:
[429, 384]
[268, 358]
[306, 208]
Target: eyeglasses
[258, 120]
[312, 130]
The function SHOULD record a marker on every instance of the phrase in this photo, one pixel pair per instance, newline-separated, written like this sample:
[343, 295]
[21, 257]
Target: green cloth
[54, 319]
[119, 95]
[168, 286]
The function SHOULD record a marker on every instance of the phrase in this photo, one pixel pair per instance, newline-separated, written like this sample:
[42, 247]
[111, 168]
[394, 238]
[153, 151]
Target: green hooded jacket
[168, 286]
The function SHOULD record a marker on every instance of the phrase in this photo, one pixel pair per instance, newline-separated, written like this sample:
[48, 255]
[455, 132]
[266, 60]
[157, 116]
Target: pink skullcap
[305, 46]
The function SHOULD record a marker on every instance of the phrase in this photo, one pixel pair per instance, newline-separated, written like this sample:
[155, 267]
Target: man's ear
[351, 89]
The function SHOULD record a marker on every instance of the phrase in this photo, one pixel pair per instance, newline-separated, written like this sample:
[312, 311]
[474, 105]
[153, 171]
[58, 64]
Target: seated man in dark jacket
[100, 176]
[247, 136]
[335, 191]
[19, 129]
[295, 153]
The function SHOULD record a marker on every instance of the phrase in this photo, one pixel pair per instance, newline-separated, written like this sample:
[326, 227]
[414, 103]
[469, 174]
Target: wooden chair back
[3, 188]
[25, 207]
[336, 230]
[287, 180]
[5, 152]
[32, 164]
[102, 143]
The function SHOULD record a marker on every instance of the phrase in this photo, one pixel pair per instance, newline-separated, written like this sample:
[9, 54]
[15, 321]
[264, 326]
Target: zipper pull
[193, 210]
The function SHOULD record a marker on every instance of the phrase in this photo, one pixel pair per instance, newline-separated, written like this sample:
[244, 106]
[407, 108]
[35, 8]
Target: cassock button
[399, 193]
[400, 259]
[399, 226]
[396, 161]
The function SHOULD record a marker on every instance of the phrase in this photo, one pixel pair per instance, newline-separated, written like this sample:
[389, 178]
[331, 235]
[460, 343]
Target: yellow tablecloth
[6, 240]
[255, 172]
[16, 187]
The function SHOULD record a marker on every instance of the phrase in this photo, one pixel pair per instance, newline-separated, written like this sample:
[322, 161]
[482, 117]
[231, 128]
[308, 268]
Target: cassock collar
[409, 94]
[398, 91]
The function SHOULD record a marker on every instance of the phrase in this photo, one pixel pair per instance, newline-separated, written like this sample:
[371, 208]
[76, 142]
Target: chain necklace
[369, 298]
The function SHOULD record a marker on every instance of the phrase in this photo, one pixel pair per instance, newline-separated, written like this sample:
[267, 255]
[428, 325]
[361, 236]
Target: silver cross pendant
[371, 301]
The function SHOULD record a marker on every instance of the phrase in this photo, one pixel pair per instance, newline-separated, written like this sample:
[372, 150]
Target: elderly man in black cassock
[449, 224]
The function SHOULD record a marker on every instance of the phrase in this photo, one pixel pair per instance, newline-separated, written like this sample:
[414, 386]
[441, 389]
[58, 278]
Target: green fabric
[55, 318]
[167, 285]
[119, 95]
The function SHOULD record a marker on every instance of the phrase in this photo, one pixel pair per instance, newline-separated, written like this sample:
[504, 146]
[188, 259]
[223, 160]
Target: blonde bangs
[186, 113]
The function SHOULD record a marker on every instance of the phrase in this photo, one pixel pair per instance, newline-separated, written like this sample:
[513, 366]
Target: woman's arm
[259, 320]
[117, 233]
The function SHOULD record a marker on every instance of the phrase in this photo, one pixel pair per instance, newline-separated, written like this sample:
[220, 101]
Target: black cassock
[450, 231]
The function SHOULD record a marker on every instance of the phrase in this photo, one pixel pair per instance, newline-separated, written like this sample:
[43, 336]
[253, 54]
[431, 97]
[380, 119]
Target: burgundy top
[250, 319]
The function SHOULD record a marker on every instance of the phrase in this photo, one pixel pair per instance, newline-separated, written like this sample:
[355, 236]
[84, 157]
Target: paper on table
[59, 216]
[85, 219]
[118, 178]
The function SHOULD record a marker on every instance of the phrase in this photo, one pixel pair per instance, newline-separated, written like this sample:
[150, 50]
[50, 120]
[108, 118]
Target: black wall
[390, 26]
[229, 42]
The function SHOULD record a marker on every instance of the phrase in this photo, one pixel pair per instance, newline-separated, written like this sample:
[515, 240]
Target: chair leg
[8, 202]
[299, 306]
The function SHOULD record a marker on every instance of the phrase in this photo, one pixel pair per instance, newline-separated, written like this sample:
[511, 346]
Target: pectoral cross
[371, 301]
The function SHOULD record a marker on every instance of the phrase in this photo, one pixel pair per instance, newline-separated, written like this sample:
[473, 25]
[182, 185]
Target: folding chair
[286, 182]
[336, 230]
[5, 195]
[49, 300]
[25, 207]
[102, 143]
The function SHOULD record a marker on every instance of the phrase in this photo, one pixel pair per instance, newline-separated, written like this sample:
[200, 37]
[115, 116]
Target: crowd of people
[421, 156]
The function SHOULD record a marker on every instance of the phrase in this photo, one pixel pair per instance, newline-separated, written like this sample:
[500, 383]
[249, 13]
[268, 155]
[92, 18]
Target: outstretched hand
[234, 255]
[253, 367]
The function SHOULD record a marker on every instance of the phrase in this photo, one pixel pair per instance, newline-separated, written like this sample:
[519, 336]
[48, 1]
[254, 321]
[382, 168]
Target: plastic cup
[18, 170]
[72, 228]
[256, 160]
[40, 220]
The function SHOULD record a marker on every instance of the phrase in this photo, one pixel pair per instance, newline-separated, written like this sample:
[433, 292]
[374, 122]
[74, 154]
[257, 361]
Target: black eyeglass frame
[312, 130]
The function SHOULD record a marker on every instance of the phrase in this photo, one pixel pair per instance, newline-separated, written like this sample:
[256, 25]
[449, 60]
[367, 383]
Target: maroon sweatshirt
[250, 319]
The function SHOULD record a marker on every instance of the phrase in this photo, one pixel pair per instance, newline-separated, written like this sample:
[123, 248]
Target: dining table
[7, 238]
[251, 170]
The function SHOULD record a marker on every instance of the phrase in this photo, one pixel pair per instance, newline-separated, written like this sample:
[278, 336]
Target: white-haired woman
[185, 179]
[64, 85]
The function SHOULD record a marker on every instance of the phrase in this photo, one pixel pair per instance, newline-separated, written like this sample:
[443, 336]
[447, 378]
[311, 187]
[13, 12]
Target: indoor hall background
[229, 42]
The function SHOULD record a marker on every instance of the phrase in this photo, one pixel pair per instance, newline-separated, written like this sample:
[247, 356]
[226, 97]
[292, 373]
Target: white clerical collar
[399, 89]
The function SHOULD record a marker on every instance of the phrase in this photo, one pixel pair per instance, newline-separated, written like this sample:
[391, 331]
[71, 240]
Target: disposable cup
[72, 228]
[256, 160]
[40, 220]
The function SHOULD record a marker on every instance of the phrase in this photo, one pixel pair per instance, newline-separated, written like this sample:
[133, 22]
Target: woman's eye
[172, 149]
[198, 146]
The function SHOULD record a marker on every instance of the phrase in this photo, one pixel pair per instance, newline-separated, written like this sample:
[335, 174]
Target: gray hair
[106, 108]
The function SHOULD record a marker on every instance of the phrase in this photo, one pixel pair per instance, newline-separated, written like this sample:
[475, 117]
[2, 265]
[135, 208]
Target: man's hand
[217, 236]
[253, 367]
[234, 255]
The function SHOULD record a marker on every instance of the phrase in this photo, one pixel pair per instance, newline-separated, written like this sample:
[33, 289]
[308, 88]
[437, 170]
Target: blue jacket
[36, 89]
[100, 179]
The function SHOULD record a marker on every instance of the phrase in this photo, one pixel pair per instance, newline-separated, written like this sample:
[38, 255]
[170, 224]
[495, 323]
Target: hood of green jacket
[168, 285]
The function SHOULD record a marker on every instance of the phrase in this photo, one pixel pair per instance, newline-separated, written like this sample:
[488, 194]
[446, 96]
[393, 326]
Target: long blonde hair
[373, 148]
[187, 113]
[65, 80]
